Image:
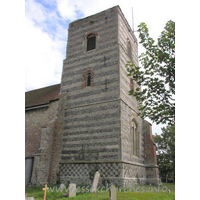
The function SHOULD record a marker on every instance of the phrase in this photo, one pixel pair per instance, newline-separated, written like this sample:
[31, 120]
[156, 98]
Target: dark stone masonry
[89, 122]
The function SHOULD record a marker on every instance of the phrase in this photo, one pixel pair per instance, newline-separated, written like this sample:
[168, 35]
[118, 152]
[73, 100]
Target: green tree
[165, 146]
[156, 77]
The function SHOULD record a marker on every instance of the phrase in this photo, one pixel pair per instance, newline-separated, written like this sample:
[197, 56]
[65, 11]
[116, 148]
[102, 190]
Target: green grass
[140, 193]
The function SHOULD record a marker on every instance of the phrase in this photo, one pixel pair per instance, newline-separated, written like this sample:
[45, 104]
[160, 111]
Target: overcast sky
[46, 30]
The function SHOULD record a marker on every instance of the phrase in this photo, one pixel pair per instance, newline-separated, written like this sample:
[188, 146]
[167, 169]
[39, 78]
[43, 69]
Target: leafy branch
[156, 77]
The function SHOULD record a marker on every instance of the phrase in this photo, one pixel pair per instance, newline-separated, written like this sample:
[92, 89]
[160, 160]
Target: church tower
[102, 131]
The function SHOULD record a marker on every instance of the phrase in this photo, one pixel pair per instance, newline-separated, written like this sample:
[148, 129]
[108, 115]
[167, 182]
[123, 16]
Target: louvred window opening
[91, 42]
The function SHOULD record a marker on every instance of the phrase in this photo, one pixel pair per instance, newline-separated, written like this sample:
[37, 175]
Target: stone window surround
[129, 49]
[85, 76]
[135, 138]
[85, 41]
[91, 42]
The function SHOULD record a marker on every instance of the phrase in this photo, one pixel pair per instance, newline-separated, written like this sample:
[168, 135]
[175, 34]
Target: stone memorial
[29, 198]
[95, 182]
[72, 190]
[62, 187]
[112, 193]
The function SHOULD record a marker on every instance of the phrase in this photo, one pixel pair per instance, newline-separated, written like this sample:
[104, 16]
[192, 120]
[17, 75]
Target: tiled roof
[42, 96]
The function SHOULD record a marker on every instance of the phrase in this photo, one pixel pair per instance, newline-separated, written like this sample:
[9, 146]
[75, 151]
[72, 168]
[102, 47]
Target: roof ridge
[42, 95]
[43, 87]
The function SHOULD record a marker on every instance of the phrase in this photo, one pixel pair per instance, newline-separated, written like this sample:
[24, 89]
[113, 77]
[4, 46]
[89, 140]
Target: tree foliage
[165, 146]
[156, 77]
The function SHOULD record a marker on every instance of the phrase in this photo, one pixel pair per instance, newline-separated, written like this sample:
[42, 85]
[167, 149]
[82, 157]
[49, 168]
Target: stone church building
[89, 123]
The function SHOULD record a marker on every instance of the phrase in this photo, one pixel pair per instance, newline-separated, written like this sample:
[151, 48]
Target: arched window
[132, 85]
[91, 41]
[89, 78]
[136, 140]
[129, 48]
[134, 137]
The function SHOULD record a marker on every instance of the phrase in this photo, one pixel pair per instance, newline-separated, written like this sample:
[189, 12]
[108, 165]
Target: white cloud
[43, 58]
[67, 9]
[35, 11]
[70, 9]
[45, 45]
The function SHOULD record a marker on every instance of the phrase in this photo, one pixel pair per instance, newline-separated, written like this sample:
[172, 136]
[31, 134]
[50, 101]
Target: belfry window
[91, 42]
[89, 78]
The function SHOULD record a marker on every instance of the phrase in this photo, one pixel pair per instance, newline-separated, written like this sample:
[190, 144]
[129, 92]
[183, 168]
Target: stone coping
[107, 161]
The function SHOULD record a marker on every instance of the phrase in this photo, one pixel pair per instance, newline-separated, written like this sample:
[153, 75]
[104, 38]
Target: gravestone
[72, 190]
[62, 187]
[112, 193]
[29, 198]
[95, 182]
[160, 183]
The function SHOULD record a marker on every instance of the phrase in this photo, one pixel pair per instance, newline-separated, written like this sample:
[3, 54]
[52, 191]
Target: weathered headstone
[95, 182]
[160, 183]
[112, 193]
[62, 187]
[72, 190]
[29, 198]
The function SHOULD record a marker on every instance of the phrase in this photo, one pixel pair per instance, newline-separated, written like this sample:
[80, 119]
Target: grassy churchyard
[140, 193]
